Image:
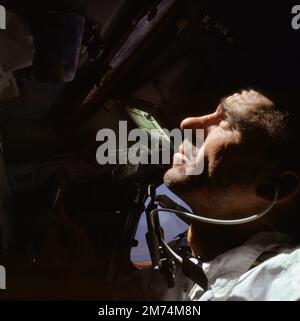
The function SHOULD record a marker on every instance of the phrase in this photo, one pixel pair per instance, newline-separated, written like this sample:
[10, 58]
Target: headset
[164, 257]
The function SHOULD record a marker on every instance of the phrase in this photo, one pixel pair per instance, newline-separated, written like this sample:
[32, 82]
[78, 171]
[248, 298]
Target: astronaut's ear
[288, 184]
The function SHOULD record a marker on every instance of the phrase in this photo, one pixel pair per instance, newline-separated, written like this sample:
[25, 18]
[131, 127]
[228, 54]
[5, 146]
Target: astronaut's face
[225, 158]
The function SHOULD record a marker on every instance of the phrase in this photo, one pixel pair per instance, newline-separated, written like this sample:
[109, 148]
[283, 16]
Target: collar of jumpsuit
[265, 268]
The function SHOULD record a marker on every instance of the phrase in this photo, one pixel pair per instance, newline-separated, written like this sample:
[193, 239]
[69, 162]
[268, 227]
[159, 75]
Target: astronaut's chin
[176, 176]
